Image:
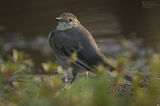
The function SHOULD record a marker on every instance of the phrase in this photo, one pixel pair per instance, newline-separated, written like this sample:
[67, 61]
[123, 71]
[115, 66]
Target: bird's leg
[86, 73]
[74, 73]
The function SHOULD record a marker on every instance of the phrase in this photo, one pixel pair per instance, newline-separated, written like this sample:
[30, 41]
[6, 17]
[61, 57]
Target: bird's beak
[59, 19]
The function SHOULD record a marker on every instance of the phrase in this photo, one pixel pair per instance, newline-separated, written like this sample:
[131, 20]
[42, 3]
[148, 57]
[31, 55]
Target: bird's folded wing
[63, 48]
[56, 52]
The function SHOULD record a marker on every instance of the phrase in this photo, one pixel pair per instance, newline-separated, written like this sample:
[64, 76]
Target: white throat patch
[64, 26]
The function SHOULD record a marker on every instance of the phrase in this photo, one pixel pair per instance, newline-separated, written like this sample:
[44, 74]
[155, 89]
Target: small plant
[19, 86]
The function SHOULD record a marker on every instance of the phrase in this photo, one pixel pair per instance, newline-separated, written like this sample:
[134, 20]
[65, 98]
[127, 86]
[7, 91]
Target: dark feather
[79, 40]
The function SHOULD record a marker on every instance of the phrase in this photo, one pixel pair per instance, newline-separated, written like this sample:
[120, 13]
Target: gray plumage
[77, 39]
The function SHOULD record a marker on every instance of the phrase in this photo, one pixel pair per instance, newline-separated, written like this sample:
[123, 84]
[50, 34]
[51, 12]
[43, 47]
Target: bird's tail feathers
[112, 69]
[109, 66]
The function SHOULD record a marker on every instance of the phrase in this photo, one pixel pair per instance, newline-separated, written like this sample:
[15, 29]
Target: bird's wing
[63, 47]
[57, 52]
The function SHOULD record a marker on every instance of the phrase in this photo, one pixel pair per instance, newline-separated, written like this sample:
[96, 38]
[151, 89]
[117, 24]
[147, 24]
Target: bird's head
[66, 21]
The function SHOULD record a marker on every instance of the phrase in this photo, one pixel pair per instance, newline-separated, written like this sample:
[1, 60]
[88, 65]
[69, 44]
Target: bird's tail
[112, 68]
[109, 66]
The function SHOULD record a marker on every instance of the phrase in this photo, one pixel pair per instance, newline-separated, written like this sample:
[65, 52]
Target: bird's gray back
[77, 38]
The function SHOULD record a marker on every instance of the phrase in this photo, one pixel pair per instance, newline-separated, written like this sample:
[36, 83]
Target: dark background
[25, 24]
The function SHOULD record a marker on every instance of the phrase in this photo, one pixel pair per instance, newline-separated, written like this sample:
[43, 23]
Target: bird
[69, 37]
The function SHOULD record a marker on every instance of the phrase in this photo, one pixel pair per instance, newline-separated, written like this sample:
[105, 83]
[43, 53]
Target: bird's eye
[70, 20]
